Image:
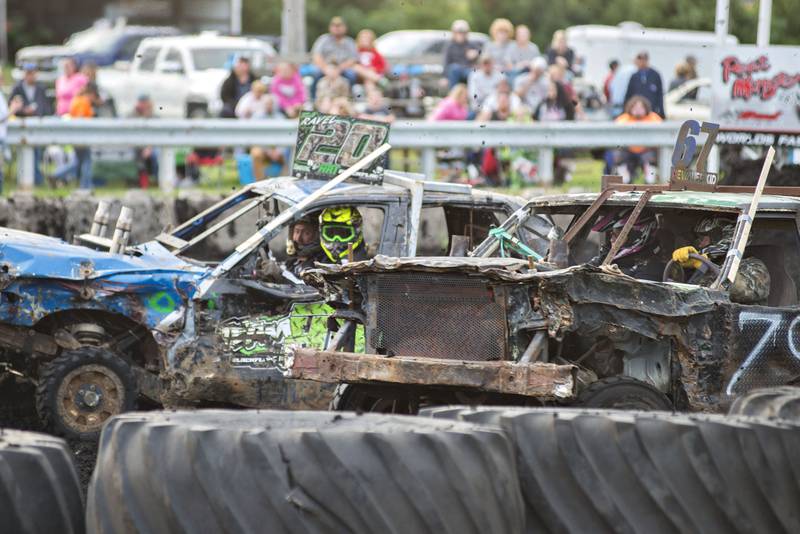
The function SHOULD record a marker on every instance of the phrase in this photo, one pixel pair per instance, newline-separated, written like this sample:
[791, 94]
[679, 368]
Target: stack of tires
[451, 470]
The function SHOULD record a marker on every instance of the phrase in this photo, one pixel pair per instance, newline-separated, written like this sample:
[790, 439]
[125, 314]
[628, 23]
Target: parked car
[103, 44]
[677, 105]
[182, 75]
[95, 329]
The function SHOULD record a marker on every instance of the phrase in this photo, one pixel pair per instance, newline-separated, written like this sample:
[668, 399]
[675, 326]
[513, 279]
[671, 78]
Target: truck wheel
[624, 393]
[781, 402]
[39, 491]
[78, 391]
[300, 472]
[360, 398]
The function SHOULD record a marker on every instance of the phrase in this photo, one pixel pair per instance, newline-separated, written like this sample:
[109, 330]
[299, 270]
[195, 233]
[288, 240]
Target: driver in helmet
[340, 232]
[641, 254]
[302, 244]
[714, 236]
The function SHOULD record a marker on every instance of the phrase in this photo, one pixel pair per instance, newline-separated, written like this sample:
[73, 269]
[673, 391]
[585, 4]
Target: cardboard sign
[329, 144]
[757, 89]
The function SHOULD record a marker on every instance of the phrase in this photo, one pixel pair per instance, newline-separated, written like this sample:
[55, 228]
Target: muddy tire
[612, 471]
[623, 393]
[81, 389]
[39, 490]
[270, 471]
[781, 402]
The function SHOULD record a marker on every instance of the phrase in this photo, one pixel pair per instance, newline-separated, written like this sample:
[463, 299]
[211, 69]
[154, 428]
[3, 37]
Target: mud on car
[96, 330]
[519, 324]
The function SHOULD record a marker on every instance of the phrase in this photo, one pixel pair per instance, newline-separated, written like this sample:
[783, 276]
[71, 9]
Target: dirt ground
[18, 410]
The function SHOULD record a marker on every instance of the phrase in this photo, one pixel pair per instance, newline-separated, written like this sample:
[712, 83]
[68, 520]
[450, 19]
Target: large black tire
[623, 393]
[65, 410]
[781, 402]
[612, 471]
[270, 471]
[39, 491]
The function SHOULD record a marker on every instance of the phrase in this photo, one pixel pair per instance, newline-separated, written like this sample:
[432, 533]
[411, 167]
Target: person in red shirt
[371, 65]
[612, 69]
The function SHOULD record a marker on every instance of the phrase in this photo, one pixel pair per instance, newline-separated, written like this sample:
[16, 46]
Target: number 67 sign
[685, 148]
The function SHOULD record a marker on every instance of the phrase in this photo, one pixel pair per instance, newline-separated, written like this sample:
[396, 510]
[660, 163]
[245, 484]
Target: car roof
[696, 200]
[210, 40]
[294, 190]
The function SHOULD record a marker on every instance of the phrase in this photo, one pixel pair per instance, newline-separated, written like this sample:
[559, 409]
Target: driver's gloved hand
[268, 269]
[681, 256]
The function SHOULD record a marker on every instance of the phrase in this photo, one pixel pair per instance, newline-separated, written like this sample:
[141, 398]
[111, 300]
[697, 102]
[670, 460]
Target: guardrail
[169, 134]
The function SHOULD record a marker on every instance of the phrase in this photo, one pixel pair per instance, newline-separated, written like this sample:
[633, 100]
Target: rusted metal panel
[540, 380]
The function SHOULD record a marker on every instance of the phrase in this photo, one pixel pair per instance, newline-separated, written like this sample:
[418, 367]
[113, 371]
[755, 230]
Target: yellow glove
[681, 255]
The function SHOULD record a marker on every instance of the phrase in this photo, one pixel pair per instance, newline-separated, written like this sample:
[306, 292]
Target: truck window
[147, 62]
[128, 48]
[175, 58]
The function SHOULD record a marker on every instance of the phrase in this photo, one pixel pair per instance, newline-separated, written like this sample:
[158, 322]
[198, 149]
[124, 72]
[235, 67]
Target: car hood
[29, 255]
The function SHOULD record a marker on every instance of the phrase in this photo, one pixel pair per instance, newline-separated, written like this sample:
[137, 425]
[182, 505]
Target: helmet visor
[342, 233]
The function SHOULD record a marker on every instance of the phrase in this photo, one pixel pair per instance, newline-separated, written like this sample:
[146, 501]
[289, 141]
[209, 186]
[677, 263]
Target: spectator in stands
[288, 89]
[34, 104]
[558, 73]
[501, 32]
[521, 52]
[613, 65]
[68, 85]
[146, 158]
[618, 87]
[646, 82]
[235, 86]
[532, 87]
[559, 52]
[341, 106]
[691, 61]
[459, 54]
[454, 107]
[89, 69]
[332, 85]
[492, 103]
[257, 104]
[371, 65]
[556, 106]
[482, 82]
[637, 111]
[334, 54]
[81, 107]
[377, 109]
[681, 76]
[6, 110]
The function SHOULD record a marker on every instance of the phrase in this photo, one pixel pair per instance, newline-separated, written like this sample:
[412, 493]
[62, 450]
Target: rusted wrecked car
[573, 329]
[97, 325]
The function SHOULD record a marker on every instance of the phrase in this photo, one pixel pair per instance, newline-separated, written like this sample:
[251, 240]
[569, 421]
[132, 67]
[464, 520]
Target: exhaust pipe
[100, 222]
[122, 232]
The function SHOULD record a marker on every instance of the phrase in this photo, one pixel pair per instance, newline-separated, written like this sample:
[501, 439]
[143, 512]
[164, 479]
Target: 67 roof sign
[329, 144]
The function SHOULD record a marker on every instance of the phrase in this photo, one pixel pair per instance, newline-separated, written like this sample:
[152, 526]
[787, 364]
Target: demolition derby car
[607, 317]
[97, 325]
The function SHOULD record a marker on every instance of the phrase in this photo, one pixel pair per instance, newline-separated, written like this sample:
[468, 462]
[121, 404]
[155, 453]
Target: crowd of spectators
[507, 79]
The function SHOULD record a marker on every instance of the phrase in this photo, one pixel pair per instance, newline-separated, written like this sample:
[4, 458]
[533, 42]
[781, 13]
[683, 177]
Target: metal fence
[424, 136]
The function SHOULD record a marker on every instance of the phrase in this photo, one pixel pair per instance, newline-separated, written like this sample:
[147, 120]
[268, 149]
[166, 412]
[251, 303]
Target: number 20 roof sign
[328, 144]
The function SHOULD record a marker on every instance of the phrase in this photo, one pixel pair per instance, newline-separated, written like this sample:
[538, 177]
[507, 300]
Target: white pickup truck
[182, 75]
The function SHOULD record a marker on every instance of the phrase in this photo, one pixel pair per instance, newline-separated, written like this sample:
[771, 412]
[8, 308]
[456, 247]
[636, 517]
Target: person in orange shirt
[630, 159]
[81, 107]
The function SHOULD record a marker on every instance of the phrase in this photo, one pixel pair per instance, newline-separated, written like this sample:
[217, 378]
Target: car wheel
[624, 393]
[81, 389]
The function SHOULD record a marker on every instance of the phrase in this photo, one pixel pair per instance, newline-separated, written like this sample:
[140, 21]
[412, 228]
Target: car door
[172, 83]
[142, 80]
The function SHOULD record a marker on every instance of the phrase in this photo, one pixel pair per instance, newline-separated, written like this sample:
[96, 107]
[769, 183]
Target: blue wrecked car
[101, 325]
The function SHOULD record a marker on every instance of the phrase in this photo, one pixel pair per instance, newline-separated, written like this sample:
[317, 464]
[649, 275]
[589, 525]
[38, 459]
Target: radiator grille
[437, 317]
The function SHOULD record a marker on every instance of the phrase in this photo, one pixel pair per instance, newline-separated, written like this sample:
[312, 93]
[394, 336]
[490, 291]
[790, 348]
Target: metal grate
[436, 316]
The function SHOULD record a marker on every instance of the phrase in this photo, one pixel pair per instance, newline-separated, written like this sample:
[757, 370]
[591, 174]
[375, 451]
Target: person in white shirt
[257, 104]
[532, 87]
[6, 111]
[482, 82]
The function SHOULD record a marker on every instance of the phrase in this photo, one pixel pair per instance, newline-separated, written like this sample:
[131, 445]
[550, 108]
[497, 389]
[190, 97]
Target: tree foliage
[542, 16]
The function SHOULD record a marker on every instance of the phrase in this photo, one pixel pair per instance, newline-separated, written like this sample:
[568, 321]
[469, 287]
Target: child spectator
[331, 86]
[146, 157]
[68, 85]
[257, 104]
[81, 107]
[377, 109]
[288, 89]
[341, 106]
[371, 65]
[454, 107]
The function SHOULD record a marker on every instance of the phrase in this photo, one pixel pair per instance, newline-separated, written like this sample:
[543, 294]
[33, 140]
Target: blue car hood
[29, 255]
